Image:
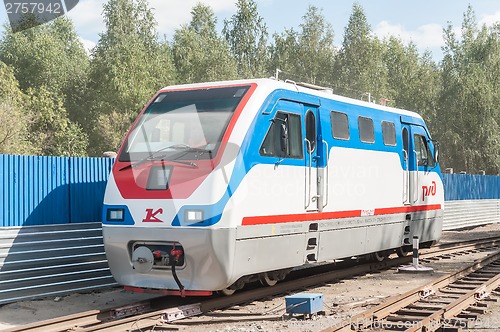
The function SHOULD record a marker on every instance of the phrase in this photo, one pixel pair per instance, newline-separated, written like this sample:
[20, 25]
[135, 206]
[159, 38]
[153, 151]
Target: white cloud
[87, 17]
[170, 15]
[489, 20]
[425, 36]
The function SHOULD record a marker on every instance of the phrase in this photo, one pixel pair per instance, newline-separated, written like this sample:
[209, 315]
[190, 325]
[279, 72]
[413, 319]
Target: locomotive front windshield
[188, 121]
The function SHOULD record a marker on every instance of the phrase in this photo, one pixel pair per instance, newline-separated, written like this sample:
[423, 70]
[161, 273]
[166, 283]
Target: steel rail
[434, 321]
[102, 320]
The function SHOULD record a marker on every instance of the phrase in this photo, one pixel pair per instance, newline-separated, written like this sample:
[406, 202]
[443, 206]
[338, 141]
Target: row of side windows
[284, 136]
[340, 129]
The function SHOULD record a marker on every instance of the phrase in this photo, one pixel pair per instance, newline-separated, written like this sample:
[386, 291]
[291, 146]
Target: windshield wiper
[187, 148]
[183, 147]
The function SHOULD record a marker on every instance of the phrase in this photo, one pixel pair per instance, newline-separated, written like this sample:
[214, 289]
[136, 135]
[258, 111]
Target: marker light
[115, 215]
[193, 216]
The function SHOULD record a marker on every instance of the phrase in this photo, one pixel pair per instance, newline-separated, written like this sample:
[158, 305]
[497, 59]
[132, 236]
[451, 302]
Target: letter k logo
[151, 216]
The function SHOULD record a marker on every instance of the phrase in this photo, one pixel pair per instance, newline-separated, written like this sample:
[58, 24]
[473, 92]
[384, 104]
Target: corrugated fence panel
[470, 213]
[469, 187]
[34, 190]
[51, 190]
[470, 200]
[88, 177]
[40, 261]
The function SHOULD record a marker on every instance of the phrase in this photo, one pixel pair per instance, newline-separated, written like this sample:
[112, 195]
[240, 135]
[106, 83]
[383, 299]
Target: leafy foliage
[307, 55]
[413, 79]
[52, 133]
[360, 71]
[50, 55]
[55, 99]
[469, 113]
[49, 64]
[247, 34]
[15, 123]
[128, 66]
[200, 54]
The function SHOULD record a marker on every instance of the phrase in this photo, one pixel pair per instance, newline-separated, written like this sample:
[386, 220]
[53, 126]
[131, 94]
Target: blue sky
[421, 21]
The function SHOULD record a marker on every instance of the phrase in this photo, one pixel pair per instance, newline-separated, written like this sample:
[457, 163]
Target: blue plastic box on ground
[304, 303]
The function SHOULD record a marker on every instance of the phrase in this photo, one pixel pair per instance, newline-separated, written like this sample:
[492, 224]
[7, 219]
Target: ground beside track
[342, 300]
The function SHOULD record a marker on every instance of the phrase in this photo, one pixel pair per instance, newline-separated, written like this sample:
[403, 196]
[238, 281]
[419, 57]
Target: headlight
[193, 216]
[115, 214]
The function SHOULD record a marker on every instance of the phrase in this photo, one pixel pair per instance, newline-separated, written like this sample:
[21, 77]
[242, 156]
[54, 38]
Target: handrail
[416, 186]
[308, 197]
[406, 179]
[327, 169]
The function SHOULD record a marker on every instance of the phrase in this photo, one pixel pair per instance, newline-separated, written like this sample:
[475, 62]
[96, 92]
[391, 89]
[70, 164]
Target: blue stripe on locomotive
[249, 154]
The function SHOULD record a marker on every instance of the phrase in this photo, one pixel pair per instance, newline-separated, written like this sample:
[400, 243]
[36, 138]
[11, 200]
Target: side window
[366, 132]
[389, 133]
[405, 142]
[311, 130]
[340, 125]
[284, 137]
[424, 155]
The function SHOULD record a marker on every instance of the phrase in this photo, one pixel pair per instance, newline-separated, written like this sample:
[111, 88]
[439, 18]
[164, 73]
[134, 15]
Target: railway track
[450, 303]
[160, 311]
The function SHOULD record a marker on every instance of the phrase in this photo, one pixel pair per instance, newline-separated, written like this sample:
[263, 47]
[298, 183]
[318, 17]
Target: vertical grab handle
[406, 179]
[327, 169]
[308, 176]
[416, 184]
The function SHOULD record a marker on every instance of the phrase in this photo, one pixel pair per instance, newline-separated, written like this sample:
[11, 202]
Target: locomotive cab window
[284, 137]
[389, 133]
[182, 123]
[424, 155]
[340, 125]
[366, 131]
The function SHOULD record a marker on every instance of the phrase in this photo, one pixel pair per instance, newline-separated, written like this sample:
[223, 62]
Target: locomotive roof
[271, 84]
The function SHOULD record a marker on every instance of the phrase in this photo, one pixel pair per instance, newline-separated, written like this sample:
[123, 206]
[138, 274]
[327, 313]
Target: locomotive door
[405, 134]
[415, 155]
[315, 175]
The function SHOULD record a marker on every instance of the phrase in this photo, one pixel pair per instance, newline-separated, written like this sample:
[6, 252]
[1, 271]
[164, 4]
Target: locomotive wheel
[266, 280]
[379, 256]
[402, 252]
[227, 291]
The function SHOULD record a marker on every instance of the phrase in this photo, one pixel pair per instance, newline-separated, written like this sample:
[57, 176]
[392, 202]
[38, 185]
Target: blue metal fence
[458, 187]
[60, 190]
[39, 190]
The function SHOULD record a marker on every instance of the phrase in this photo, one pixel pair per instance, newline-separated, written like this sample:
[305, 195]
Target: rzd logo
[152, 216]
[429, 190]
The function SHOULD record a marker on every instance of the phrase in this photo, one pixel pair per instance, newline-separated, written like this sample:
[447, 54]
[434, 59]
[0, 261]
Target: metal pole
[415, 251]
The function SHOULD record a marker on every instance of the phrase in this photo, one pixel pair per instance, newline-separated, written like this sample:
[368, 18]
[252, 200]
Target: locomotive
[222, 183]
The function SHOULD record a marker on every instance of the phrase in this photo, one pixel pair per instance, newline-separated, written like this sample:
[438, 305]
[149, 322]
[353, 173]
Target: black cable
[177, 281]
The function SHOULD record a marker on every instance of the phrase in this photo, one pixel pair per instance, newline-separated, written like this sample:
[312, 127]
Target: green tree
[49, 55]
[308, 55]
[128, 66]
[15, 123]
[53, 133]
[201, 55]
[360, 71]
[469, 114]
[247, 34]
[413, 79]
